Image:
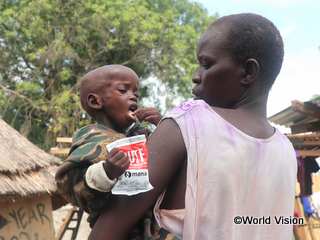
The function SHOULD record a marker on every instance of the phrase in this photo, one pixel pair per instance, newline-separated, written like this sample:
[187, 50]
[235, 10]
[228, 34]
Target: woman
[216, 159]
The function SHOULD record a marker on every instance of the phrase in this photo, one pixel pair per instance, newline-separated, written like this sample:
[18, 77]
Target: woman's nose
[196, 77]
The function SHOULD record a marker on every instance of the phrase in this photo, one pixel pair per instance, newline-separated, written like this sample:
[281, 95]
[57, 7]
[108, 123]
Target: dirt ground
[60, 215]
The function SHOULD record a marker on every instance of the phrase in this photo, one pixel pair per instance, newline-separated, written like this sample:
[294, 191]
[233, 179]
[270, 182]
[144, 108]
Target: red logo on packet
[135, 179]
[137, 154]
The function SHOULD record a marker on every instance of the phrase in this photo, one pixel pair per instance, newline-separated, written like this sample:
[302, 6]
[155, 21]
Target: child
[216, 160]
[109, 94]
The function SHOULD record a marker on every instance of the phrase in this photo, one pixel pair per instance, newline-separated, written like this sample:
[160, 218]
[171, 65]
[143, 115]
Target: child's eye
[122, 90]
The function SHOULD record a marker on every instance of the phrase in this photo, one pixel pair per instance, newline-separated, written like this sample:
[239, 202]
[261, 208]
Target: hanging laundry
[307, 208]
[306, 166]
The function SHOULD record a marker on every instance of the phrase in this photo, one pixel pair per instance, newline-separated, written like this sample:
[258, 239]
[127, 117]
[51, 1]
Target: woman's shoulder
[185, 108]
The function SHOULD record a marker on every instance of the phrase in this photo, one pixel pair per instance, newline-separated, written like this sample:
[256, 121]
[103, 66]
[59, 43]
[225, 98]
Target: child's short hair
[254, 36]
[96, 80]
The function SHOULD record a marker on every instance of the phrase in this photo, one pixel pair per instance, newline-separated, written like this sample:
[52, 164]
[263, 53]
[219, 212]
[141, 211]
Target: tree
[47, 45]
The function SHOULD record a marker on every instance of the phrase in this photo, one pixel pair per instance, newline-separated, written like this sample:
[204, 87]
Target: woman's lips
[195, 90]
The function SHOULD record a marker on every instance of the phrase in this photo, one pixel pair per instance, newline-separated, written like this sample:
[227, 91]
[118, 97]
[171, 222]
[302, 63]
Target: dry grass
[25, 169]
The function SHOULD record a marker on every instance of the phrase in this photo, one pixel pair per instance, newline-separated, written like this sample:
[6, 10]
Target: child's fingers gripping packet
[136, 178]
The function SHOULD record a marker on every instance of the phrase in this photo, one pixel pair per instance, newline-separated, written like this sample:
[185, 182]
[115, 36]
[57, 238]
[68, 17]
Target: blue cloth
[307, 208]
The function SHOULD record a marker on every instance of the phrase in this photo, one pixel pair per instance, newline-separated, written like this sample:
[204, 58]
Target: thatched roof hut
[25, 169]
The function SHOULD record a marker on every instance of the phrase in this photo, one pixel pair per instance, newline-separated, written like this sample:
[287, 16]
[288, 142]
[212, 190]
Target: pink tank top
[230, 175]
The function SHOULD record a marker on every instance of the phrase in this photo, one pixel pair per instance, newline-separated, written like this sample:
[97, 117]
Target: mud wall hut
[26, 184]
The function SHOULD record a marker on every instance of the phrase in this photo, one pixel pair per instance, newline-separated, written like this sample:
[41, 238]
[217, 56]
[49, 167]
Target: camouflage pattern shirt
[89, 147]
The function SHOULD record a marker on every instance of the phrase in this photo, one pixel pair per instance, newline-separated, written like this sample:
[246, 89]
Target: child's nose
[133, 97]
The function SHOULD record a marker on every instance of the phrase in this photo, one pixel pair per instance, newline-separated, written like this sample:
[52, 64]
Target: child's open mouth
[132, 108]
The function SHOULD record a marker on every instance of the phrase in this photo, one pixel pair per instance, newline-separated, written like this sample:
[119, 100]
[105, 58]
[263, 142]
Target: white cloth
[171, 220]
[97, 178]
[231, 174]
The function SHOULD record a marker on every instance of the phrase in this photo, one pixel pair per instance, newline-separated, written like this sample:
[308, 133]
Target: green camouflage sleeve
[88, 147]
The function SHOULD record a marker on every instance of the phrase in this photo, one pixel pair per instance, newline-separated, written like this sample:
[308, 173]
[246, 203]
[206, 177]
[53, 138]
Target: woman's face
[217, 80]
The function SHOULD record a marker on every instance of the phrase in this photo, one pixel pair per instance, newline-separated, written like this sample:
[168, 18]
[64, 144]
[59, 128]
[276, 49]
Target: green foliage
[47, 45]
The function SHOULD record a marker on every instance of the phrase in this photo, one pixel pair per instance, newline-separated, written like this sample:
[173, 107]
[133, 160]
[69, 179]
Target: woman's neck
[256, 106]
[255, 101]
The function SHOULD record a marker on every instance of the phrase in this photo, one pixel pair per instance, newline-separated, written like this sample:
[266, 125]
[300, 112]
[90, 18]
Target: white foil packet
[136, 178]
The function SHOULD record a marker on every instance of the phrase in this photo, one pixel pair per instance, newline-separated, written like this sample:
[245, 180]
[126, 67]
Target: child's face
[217, 80]
[120, 99]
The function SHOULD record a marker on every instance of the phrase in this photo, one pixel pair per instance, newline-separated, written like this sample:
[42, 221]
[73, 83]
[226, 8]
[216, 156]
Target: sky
[299, 25]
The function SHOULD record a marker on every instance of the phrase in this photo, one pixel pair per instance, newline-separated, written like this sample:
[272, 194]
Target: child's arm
[167, 154]
[117, 164]
[103, 175]
[79, 189]
[88, 148]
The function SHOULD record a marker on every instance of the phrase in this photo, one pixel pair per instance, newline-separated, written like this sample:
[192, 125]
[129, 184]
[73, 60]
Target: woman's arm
[167, 154]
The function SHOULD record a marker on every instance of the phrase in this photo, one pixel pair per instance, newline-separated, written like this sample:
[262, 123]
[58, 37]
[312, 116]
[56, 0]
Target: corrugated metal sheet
[289, 116]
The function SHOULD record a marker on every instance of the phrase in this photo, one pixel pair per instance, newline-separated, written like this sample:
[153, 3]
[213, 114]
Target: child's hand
[151, 115]
[117, 163]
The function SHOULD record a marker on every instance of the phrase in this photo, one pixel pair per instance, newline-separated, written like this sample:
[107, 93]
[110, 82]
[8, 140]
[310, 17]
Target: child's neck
[106, 122]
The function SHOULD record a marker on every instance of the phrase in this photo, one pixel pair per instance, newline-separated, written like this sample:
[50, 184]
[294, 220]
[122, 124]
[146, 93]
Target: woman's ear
[94, 101]
[251, 71]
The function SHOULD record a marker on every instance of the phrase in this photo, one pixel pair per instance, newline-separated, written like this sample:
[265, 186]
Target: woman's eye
[205, 65]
